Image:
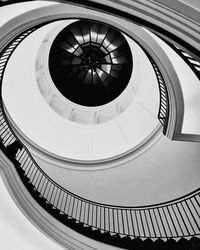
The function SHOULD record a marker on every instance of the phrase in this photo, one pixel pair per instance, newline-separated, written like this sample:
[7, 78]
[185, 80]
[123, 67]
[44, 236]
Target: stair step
[137, 243]
[183, 244]
[107, 237]
[195, 243]
[171, 244]
[148, 243]
[159, 244]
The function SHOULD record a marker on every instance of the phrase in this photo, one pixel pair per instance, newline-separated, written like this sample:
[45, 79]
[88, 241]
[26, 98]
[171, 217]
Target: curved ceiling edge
[96, 165]
[173, 130]
[176, 22]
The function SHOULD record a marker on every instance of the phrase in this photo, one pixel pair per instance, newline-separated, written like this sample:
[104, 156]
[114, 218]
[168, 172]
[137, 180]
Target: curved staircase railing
[192, 61]
[163, 112]
[118, 225]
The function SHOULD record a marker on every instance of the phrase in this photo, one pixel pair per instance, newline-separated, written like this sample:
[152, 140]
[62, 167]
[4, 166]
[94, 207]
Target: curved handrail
[187, 56]
[177, 218]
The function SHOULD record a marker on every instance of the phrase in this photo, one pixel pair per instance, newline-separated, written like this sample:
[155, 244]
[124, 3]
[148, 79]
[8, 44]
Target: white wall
[10, 11]
[36, 119]
[193, 3]
[16, 231]
[168, 170]
[190, 90]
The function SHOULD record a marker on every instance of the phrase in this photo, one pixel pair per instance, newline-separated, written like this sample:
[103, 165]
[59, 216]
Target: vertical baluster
[92, 222]
[20, 156]
[132, 224]
[162, 223]
[96, 217]
[77, 206]
[109, 219]
[117, 215]
[167, 222]
[72, 211]
[65, 204]
[35, 176]
[69, 205]
[181, 219]
[195, 206]
[187, 219]
[49, 193]
[47, 190]
[141, 224]
[58, 199]
[176, 218]
[88, 215]
[44, 186]
[84, 212]
[30, 171]
[100, 219]
[55, 196]
[104, 217]
[147, 223]
[122, 222]
[156, 225]
[40, 177]
[61, 201]
[34, 169]
[151, 220]
[126, 222]
[80, 210]
[137, 222]
[193, 214]
[170, 212]
[5, 135]
[27, 164]
[114, 221]
[30, 168]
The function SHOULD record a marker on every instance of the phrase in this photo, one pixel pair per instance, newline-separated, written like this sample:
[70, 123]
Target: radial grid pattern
[90, 63]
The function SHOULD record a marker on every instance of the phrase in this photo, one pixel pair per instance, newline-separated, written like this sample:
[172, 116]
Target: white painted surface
[57, 135]
[190, 86]
[168, 170]
[16, 231]
[192, 3]
[10, 11]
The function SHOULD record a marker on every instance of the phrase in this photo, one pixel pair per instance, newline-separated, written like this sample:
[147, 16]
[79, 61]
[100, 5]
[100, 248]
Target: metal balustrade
[179, 218]
[163, 112]
[192, 61]
[173, 219]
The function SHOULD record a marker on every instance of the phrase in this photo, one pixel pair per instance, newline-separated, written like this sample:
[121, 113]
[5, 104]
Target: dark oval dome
[90, 63]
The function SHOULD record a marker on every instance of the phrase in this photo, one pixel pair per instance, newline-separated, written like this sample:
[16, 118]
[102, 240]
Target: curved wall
[37, 121]
[192, 154]
[168, 170]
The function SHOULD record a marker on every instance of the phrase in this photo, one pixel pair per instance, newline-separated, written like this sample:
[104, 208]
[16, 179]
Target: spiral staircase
[98, 64]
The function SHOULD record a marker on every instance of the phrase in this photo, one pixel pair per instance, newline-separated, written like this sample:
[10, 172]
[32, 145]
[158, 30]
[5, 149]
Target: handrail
[178, 218]
[163, 113]
[188, 57]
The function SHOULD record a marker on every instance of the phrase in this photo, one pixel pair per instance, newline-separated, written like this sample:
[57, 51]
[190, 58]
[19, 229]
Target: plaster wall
[170, 169]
